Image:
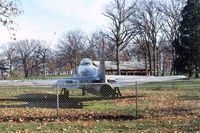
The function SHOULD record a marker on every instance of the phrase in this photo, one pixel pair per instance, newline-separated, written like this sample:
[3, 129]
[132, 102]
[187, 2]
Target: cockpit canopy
[86, 61]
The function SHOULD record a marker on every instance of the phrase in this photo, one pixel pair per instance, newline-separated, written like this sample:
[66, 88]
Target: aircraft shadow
[51, 101]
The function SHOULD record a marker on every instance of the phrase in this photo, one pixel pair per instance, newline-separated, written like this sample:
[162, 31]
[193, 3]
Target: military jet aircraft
[92, 79]
[89, 78]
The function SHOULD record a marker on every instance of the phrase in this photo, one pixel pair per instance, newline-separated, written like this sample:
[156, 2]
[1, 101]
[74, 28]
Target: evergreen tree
[188, 46]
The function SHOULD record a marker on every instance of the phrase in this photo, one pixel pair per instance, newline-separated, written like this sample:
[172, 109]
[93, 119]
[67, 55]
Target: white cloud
[42, 18]
[87, 11]
[60, 6]
[31, 31]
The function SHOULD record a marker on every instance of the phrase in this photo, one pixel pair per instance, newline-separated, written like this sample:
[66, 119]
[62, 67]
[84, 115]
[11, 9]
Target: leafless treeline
[147, 29]
[138, 29]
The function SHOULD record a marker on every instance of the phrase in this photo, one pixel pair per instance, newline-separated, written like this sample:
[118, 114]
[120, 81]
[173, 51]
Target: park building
[126, 67]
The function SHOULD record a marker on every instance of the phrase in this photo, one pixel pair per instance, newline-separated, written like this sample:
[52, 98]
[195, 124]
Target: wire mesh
[39, 99]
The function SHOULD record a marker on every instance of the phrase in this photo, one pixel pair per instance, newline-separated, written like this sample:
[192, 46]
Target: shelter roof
[127, 65]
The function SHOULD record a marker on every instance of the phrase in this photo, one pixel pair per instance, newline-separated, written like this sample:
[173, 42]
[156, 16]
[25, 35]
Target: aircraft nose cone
[86, 72]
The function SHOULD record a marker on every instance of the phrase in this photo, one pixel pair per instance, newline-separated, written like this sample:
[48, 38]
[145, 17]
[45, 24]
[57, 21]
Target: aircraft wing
[120, 80]
[75, 81]
[59, 82]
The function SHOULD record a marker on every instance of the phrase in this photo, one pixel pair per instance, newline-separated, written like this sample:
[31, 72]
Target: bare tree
[171, 10]
[42, 52]
[2, 68]
[8, 51]
[110, 50]
[121, 31]
[149, 21]
[95, 42]
[8, 10]
[52, 62]
[137, 50]
[71, 47]
[25, 50]
[92, 51]
[9, 54]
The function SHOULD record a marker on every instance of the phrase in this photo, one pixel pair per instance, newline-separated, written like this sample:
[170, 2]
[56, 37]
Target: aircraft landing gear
[64, 92]
[83, 92]
[117, 93]
[105, 91]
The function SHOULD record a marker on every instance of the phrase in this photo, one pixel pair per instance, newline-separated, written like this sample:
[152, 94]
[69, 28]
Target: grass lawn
[162, 107]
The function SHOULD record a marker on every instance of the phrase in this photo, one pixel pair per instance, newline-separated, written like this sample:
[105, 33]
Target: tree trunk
[31, 73]
[163, 72]
[150, 61]
[44, 70]
[197, 72]
[158, 63]
[172, 62]
[25, 69]
[190, 74]
[154, 59]
[36, 68]
[117, 60]
[1, 73]
[146, 62]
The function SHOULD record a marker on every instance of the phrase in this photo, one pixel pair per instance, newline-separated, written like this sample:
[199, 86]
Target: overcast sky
[48, 19]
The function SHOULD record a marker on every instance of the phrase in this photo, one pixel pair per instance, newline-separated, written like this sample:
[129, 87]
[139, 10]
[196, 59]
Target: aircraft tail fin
[102, 65]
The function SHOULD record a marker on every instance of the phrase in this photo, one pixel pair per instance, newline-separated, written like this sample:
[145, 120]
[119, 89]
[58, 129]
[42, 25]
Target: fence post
[17, 88]
[57, 93]
[189, 83]
[136, 103]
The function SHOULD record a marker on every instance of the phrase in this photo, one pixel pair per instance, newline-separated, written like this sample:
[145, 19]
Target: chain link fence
[44, 100]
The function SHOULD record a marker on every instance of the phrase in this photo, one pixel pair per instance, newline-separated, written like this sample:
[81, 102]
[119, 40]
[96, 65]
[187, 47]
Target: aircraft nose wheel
[107, 90]
[64, 92]
[117, 92]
